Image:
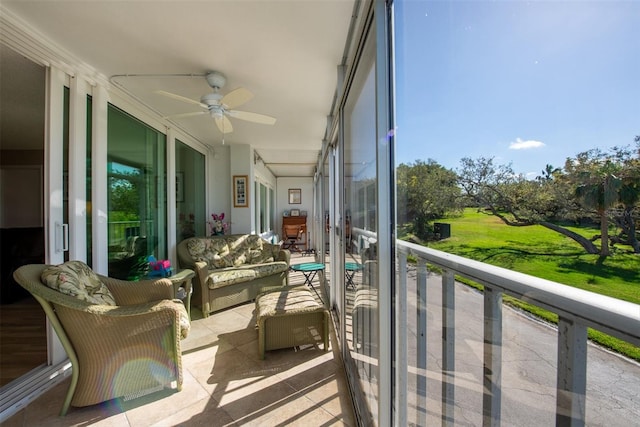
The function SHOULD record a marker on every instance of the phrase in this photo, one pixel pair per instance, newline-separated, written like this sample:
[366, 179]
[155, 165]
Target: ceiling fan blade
[180, 98]
[223, 124]
[252, 117]
[236, 97]
[176, 116]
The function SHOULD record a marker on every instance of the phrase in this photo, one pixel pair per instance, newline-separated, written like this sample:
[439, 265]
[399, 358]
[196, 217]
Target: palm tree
[600, 191]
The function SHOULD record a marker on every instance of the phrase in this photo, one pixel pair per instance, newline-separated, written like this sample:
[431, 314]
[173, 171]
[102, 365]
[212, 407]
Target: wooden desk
[296, 220]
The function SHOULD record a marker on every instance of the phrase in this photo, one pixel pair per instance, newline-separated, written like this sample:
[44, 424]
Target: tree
[429, 191]
[518, 201]
[548, 173]
[124, 196]
[608, 184]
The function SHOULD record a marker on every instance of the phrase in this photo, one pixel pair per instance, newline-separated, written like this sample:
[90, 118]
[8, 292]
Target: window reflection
[136, 193]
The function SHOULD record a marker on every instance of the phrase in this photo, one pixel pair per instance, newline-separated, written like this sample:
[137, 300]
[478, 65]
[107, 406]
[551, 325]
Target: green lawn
[540, 252]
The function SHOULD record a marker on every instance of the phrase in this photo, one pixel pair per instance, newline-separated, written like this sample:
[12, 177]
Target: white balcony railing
[577, 309]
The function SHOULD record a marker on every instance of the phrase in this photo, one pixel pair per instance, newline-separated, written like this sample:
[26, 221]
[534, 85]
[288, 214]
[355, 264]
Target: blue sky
[528, 83]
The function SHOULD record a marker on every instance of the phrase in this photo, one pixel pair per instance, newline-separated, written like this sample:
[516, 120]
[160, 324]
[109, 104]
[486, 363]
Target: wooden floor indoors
[23, 338]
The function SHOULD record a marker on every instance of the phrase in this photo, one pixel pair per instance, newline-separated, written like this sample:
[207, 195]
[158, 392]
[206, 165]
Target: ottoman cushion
[290, 317]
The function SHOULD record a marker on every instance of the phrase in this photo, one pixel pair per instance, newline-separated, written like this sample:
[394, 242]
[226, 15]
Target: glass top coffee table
[309, 269]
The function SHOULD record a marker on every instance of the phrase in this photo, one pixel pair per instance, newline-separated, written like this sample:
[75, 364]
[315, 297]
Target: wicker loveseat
[232, 269]
[122, 338]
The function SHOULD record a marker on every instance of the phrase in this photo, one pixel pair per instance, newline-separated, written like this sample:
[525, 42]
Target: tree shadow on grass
[600, 269]
[508, 256]
[567, 262]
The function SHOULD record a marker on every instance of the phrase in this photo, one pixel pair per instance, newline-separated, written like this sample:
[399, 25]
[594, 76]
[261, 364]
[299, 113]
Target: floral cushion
[232, 251]
[259, 257]
[77, 279]
[214, 252]
[185, 323]
[229, 276]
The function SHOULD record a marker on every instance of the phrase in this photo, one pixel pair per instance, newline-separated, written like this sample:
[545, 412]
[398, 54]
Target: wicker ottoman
[289, 318]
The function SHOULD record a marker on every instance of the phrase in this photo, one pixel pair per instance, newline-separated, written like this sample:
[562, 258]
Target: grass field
[541, 252]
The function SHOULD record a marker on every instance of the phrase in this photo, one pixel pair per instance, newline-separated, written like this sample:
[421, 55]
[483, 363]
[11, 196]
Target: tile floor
[225, 384]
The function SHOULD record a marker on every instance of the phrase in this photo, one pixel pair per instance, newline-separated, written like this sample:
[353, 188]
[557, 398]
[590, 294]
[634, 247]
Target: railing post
[421, 344]
[491, 402]
[448, 347]
[401, 363]
[572, 373]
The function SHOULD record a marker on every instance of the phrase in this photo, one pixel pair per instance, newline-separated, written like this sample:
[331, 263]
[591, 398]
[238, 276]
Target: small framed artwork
[303, 213]
[295, 196]
[294, 212]
[240, 191]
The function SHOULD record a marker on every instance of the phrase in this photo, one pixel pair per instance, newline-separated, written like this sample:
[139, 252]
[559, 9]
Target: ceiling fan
[221, 107]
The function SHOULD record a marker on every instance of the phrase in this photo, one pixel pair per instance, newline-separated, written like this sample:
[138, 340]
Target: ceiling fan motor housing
[216, 79]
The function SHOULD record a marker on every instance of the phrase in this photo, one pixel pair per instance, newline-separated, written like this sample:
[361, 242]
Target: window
[136, 192]
[191, 215]
[491, 100]
[360, 179]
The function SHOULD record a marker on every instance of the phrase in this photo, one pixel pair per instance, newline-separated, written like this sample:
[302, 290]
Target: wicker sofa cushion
[228, 276]
[77, 279]
[232, 251]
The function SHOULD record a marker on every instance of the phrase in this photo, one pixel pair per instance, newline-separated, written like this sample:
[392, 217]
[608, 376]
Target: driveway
[529, 356]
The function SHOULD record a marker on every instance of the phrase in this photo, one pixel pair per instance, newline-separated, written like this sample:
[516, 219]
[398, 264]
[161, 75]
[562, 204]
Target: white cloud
[519, 144]
[531, 175]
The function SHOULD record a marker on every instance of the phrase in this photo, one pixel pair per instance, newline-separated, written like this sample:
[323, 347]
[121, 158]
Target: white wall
[282, 200]
[219, 188]
[242, 164]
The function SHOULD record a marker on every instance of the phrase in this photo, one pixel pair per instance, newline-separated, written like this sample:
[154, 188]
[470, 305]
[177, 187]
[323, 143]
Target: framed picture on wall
[240, 191]
[295, 196]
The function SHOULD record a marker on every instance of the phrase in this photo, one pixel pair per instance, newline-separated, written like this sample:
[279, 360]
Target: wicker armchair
[116, 351]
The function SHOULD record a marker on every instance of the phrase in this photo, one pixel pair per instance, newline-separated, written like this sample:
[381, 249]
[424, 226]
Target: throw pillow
[215, 252]
[275, 249]
[260, 256]
[77, 279]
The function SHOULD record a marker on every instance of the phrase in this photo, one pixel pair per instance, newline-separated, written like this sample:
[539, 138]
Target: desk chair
[292, 234]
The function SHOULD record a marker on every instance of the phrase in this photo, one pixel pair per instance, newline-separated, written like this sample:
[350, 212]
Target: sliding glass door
[136, 194]
[191, 215]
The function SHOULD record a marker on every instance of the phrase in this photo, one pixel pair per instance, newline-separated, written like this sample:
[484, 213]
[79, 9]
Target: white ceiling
[286, 52]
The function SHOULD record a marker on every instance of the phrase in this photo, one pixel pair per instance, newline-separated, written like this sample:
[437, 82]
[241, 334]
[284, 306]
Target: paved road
[529, 368]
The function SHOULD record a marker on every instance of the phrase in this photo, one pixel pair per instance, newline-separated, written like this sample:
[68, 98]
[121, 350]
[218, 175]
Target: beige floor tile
[227, 321]
[156, 407]
[45, 411]
[204, 350]
[297, 415]
[257, 400]
[202, 413]
[225, 384]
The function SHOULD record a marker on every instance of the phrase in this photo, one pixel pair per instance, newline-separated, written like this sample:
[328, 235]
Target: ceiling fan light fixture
[211, 98]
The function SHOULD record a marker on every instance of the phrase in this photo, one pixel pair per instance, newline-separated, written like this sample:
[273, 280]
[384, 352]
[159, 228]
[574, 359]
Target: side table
[350, 270]
[183, 279]
[309, 269]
